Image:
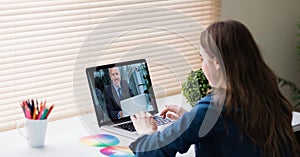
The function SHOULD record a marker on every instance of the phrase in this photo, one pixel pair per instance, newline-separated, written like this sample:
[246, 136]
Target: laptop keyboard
[130, 127]
[127, 126]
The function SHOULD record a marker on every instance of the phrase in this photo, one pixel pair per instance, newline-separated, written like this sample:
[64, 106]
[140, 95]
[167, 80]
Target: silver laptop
[120, 90]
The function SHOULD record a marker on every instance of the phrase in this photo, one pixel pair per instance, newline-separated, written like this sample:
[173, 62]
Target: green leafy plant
[195, 87]
[294, 90]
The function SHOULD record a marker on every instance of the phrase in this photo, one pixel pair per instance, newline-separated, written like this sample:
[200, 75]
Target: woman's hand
[144, 123]
[173, 112]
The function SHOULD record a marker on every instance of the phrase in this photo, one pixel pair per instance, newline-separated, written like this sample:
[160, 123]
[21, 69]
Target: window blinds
[46, 46]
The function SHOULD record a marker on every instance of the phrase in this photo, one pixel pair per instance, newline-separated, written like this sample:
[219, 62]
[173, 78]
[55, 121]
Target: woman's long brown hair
[253, 98]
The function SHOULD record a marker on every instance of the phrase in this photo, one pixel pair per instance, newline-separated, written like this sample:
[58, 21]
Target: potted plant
[195, 87]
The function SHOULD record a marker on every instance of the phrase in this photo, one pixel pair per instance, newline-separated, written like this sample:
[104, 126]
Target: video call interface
[125, 88]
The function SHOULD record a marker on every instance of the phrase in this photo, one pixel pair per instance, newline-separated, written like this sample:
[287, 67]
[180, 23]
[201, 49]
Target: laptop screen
[121, 89]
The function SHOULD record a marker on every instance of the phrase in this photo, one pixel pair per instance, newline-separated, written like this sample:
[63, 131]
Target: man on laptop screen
[126, 89]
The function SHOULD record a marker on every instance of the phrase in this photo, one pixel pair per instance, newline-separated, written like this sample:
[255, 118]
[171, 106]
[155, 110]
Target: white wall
[273, 24]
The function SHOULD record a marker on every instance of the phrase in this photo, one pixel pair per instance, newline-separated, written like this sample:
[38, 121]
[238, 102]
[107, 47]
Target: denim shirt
[223, 139]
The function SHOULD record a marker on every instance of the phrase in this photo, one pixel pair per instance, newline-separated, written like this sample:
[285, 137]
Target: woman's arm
[178, 137]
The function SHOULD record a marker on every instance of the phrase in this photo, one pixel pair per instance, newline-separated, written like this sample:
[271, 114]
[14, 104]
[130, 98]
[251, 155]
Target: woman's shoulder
[210, 102]
[205, 99]
[207, 107]
[204, 102]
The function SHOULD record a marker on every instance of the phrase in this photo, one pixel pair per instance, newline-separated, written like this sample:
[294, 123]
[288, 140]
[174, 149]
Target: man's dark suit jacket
[112, 99]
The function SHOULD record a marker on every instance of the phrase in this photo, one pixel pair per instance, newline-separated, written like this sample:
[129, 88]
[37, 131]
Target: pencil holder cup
[36, 131]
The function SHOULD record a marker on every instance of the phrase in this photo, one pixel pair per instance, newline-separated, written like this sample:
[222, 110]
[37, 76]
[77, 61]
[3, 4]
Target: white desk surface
[62, 138]
[296, 121]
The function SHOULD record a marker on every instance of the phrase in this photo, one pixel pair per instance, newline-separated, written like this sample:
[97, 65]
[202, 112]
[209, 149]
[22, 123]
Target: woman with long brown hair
[246, 114]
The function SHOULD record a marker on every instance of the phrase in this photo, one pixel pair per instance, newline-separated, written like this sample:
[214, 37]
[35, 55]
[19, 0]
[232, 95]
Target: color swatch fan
[100, 140]
[117, 151]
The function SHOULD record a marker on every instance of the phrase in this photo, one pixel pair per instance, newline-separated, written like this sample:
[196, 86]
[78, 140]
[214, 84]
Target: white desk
[296, 121]
[63, 136]
[62, 139]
